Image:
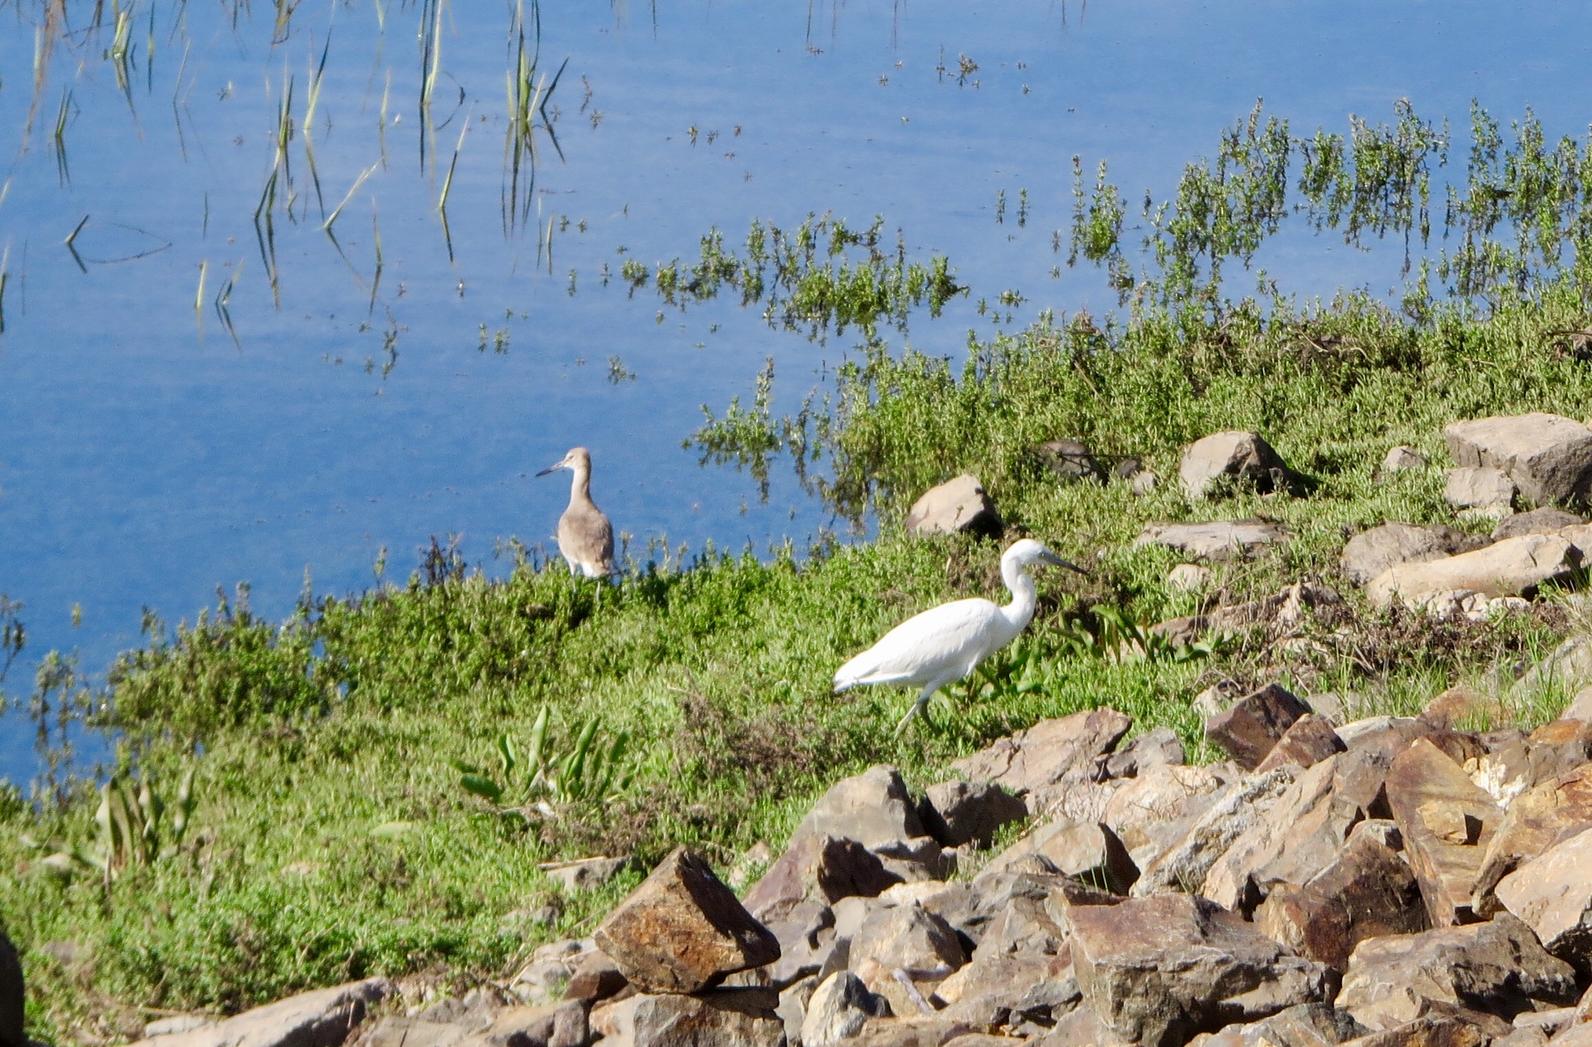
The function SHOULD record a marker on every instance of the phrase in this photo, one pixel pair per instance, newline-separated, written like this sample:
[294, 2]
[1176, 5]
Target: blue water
[147, 458]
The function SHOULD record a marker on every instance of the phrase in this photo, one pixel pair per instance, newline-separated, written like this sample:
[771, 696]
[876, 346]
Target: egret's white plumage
[947, 642]
[585, 537]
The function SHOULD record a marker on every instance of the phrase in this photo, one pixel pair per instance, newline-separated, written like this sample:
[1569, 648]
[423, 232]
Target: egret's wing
[927, 645]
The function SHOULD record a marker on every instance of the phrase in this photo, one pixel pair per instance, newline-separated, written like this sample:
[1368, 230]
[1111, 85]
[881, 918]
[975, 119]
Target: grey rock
[1512, 567]
[1478, 488]
[1242, 456]
[1216, 540]
[1302, 1025]
[1158, 970]
[953, 507]
[1400, 459]
[682, 929]
[838, 1010]
[910, 938]
[1498, 966]
[1188, 578]
[1069, 460]
[1549, 457]
[1086, 851]
[816, 867]
[1011, 990]
[1153, 748]
[1188, 861]
[322, 1018]
[1580, 707]
[585, 874]
[550, 1025]
[874, 808]
[958, 812]
[1546, 520]
[1049, 761]
[1151, 813]
[1373, 551]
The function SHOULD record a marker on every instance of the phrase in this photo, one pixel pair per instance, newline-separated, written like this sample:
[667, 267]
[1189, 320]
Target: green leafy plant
[590, 767]
[133, 830]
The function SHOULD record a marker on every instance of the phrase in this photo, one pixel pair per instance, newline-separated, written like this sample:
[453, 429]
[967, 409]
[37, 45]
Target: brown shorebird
[585, 537]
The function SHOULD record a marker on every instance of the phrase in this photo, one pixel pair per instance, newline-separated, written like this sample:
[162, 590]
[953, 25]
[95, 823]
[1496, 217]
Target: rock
[1568, 666]
[1242, 456]
[1189, 860]
[1087, 851]
[1462, 704]
[957, 812]
[1152, 812]
[1447, 823]
[1365, 892]
[953, 507]
[1508, 568]
[1401, 459]
[1069, 460]
[874, 808]
[595, 977]
[1535, 821]
[325, 1016]
[1580, 707]
[1432, 1030]
[917, 1031]
[727, 1017]
[585, 874]
[1302, 1025]
[1157, 970]
[1011, 990]
[816, 867]
[1291, 840]
[12, 996]
[907, 937]
[1473, 488]
[189, 1022]
[1307, 741]
[543, 978]
[1549, 457]
[1251, 727]
[1498, 966]
[1048, 761]
[390, 1031]
[1545, 520]
[1553, 896]
[1217, 540]
[1153, 748]
[1373, 551]
[1188, 578]
[550, 1025]
[839, 1008]
[682, 929]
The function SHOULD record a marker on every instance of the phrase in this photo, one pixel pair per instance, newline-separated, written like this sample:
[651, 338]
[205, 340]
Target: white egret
[585, 537]
[947, 642]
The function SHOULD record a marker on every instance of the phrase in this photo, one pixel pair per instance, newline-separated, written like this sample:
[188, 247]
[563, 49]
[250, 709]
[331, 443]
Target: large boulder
[1373, 551]
[955, 506]
[683, 929]
[1240, 456]
[1446, 821]
[324, 1016]
[1549, 457]
[1535, 821]
[1158, 970]
[1238, 810]
[1252, 725]
[1553, 895]
[1052, 761]
[1472, 488]
[1511, 567]
[1498, 967]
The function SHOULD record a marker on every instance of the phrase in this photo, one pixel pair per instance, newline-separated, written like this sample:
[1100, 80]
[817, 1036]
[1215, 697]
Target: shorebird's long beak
[1052, 558]
[551, 469]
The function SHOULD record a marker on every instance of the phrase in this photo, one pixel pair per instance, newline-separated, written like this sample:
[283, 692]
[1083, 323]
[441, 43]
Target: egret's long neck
[580, 483]
[1021, 608]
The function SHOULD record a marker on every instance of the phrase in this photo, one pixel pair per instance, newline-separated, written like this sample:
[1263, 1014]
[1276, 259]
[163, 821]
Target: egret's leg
[918, 708]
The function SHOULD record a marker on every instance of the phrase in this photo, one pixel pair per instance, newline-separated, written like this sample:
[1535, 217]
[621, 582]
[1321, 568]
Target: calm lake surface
[293, 411]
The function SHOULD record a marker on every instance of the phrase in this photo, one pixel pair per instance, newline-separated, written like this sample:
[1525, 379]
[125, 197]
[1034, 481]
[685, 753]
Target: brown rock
[682, 929]
[816, 867]
[1461, 704]
[1498, 966]
[1432, 1030]
[917, 1031]
[1251, 727]
[955, 506]
[1087, 851]
[727, 1017]
[1535, 821]
[1303, 1025]
[907, 937]
[1152, 811]
[595, 977]
[1158, 970]
[1308, 740]
[1188, 861]
[957, 813]
[874, 808]
[1552, 894]
[1447, 824]
[322, 1017]
[1008, 990]
[1049, 760]
[1366, 892]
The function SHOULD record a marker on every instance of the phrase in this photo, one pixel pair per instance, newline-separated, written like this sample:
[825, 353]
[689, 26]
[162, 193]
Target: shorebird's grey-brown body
[585, 537]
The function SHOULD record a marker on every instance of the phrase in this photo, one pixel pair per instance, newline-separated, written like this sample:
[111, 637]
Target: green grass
[332, 838]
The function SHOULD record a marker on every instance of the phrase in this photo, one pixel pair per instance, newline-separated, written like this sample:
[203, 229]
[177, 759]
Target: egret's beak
[1051, 558]
[551, 469]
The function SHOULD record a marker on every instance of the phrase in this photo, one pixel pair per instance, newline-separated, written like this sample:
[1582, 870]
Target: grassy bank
[331, 834]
